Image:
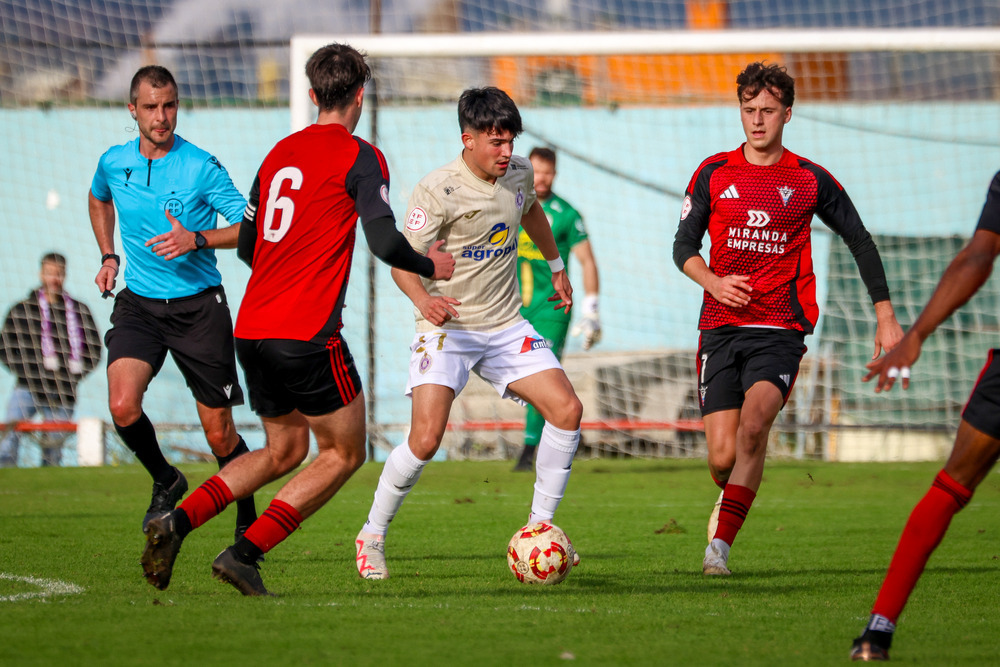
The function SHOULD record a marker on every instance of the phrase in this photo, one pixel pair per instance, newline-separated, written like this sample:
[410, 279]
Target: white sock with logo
[401, 471]
[553, 462]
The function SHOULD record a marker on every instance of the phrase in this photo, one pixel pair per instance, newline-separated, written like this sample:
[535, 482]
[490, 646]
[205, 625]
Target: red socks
[923, 532]
[736, 501]
[277, 522]
[206, 501]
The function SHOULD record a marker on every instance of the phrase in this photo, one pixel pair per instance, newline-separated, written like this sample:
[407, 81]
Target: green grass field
[806, 569]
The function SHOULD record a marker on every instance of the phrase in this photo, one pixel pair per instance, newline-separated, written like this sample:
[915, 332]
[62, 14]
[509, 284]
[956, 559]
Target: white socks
[553, 461]
[401, 471]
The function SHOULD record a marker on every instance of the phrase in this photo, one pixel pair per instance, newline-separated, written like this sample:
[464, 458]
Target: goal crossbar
[676, 42]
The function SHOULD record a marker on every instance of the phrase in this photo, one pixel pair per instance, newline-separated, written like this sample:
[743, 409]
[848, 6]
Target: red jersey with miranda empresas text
[758, 220]
[305, 203]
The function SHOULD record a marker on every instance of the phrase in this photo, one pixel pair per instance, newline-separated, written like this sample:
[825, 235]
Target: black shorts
[733, 359]
[196, 330]
[983, 407]
[285, 375]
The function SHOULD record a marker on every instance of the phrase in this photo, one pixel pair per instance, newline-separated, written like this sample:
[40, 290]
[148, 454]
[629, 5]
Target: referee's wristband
[556, 265]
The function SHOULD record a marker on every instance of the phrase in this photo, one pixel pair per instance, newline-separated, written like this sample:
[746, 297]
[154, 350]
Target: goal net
[898, 99]
[904, 119]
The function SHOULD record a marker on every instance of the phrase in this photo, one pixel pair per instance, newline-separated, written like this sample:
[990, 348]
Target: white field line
[46, 588]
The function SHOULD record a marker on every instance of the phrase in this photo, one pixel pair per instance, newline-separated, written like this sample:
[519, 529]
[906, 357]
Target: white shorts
[445, 357]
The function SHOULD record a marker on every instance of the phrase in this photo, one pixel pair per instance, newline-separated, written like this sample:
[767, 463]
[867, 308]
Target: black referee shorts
[983, 407]
[733, 359]
[285, 375]
[197, 331]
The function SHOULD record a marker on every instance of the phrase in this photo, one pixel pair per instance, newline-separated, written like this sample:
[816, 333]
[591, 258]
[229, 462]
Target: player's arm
[734, 290]
[436, 309]
[102, 220]
[389, 245]
[835, 208]
[246, 243]
[966, 273]
[589, 324]
[539, 231]
[367, 183]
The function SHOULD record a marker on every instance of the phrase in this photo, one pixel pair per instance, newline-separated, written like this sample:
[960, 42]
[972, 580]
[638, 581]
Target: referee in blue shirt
[168, 193]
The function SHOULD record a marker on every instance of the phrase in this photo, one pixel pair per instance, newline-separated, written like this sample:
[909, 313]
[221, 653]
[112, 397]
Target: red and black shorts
[983, 407]
[284, 375]
[197, 330]
[733, 359]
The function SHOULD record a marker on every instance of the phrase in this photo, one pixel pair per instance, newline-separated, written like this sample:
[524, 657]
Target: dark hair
[336, 72]
[55, 258]
[488, 110]
[758, 76]
[157, 76]
[544, 154]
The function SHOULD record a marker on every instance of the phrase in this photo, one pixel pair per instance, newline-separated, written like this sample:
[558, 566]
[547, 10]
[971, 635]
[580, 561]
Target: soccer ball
[539, 553]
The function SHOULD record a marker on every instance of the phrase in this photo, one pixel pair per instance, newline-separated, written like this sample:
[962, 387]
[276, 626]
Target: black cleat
[526, 463]
[245, 578]
[165, 498]
[162, 545]
[872, 646]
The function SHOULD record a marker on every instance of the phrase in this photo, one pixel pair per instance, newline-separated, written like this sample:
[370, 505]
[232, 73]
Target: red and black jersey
[758, 221]
[300, 228]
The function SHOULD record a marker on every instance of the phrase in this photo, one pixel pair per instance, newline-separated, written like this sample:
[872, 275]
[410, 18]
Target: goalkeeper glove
[589, 323]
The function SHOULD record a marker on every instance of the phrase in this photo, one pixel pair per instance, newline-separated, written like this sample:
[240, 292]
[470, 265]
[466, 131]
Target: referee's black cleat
[162, 545]
[245, 577]
[165, 498]
[871, 646]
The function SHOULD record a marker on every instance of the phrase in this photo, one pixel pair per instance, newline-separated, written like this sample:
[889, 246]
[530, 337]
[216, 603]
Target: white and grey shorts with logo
[446, 356]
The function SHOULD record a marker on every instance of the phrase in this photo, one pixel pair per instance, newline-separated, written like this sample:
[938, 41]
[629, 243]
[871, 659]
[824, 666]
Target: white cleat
[715, 561]
[371, 556]
[573, 552]
[713, 521]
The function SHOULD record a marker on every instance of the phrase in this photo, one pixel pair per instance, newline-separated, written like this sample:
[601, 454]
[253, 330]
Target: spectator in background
[49, 342]
[536, 284]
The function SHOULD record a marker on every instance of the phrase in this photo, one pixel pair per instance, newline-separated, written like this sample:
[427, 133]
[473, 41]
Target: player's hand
[170, 245]
[438, 309]
[888, 333]
[733, 291]
[896, 364]
[589, 324]
[444, 263]
[564, 291]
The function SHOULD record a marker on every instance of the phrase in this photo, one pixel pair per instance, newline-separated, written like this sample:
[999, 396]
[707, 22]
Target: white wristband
[590, 303]
[556, 265]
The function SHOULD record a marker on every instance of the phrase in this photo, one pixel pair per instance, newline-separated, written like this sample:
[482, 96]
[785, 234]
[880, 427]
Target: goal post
[904, 118]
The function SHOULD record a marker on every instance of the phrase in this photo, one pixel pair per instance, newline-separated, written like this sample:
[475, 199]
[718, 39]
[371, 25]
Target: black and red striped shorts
[285, 375]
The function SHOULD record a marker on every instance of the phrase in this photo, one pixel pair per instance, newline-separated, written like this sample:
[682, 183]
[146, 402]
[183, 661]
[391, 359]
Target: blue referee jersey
[188, 182]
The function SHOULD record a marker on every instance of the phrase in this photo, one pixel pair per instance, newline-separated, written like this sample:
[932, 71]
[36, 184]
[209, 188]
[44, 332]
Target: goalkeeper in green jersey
[536, 283]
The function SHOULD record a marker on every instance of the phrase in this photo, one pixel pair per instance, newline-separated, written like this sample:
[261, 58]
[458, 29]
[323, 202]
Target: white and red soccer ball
[540, 553]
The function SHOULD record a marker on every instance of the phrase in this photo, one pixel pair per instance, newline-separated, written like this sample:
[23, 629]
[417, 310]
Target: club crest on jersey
[425, 363]
[174, 207]
[786, 194]
[686, 208]
[757, 218]
[416, 220]
[384, 191]
[530, 344]
[519, 199]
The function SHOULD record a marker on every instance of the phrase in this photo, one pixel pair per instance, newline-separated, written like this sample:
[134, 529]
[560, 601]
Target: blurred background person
[536, 284]
[49, 342]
